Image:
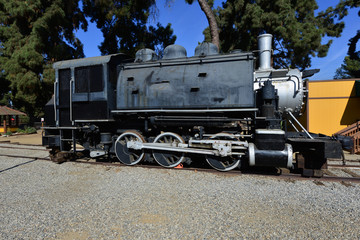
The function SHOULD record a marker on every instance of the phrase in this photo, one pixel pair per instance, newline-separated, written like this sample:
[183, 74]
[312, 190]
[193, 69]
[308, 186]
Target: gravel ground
[43, 200]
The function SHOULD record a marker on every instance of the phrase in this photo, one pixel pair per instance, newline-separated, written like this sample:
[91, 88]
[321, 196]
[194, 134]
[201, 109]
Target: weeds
[27, 130]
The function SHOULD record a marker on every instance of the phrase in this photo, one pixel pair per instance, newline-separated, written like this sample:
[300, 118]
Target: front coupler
[312, 154]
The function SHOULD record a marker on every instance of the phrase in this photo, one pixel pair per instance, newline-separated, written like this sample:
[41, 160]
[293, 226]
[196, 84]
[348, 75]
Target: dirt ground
[33, 139]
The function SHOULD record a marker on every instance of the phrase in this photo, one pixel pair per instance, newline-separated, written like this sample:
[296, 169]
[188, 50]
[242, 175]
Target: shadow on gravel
[18, 165]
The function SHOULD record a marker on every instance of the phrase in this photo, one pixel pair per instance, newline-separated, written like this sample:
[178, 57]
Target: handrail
[352, 131]
[356, 140]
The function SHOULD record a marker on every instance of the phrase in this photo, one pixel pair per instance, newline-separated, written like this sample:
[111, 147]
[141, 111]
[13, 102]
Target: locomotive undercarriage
[168, 145]
[235, 144]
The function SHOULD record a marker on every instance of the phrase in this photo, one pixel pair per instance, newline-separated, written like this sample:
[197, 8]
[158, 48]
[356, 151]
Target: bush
[30, 130]
[27, 130]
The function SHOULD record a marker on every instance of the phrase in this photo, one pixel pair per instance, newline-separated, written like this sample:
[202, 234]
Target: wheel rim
[223, 164]
[168, 159]
[125, 155]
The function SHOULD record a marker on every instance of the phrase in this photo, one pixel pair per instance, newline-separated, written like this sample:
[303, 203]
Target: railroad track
[345, 163]
[273, 173]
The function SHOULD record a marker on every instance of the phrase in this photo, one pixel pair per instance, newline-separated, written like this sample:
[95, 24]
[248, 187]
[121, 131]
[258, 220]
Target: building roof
[6, 111]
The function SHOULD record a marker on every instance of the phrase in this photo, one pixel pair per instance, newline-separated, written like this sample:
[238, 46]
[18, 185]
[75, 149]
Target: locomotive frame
[213, 105]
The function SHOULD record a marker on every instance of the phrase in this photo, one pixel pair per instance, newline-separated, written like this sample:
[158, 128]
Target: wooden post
[5, 130]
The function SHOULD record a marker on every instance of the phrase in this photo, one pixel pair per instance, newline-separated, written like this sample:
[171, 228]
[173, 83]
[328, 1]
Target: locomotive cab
[84, 92]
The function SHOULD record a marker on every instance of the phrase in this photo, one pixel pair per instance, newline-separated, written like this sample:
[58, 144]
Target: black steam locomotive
[177, 109]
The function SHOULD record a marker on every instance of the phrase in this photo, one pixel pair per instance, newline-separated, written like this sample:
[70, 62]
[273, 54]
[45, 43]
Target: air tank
[145, 55]
[206, 49]
[174, 51]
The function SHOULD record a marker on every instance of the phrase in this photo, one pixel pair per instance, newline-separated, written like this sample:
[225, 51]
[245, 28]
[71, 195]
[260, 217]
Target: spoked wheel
[168, 159]
[125, 155]
[223, 163]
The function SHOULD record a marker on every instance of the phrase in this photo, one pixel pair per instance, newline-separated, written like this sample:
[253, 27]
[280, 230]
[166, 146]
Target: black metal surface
[90, 110]
[268, 91]
[324, 148]
[195, 83]
[271, 158]
[346, 142]
[309, 72]
[270, 141]
[315, 152]
[89, 79]
[51, 140]
[64, 97]
[49, 112]
[94, 82]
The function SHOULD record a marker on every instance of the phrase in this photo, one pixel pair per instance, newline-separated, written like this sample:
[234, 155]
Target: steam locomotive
[178, 109]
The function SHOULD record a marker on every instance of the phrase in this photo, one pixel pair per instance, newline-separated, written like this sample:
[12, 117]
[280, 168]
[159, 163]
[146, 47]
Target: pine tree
[124, 26]
[297, 31]
[351, 66]
[4, 90]
[33, 35]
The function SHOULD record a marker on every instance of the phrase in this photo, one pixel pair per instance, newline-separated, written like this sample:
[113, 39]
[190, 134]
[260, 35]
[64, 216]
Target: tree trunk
[212, 22]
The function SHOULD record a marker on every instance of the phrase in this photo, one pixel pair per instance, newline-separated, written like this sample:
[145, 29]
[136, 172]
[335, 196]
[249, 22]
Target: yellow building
[332, 105]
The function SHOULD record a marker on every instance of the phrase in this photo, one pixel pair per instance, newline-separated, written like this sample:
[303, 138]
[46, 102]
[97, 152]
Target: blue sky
[188, 23]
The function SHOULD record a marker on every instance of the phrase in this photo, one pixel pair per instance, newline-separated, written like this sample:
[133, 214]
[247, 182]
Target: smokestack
[265, 42]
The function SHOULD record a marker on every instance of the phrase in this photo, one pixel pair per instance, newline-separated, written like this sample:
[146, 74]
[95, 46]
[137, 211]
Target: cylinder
[265, 42]
[270, 158]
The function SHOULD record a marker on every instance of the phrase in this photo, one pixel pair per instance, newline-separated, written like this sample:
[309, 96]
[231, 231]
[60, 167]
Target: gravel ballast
[43, 200]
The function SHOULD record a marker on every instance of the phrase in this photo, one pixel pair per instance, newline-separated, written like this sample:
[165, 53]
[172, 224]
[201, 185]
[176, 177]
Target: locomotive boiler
[230, 109]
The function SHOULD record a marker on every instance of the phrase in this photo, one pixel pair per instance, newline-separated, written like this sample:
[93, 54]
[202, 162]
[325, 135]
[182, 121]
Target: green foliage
[8, 133]
[351, 66]
[297, 31]
[27, 130]
[349, 69]
[24, 119]
[4, 90]
[341, 10]
[123, 24]
[33, 35]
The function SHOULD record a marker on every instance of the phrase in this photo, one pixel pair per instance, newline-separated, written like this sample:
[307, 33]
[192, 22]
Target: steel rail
[34, 149]
[17, 143]
[27, 157]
